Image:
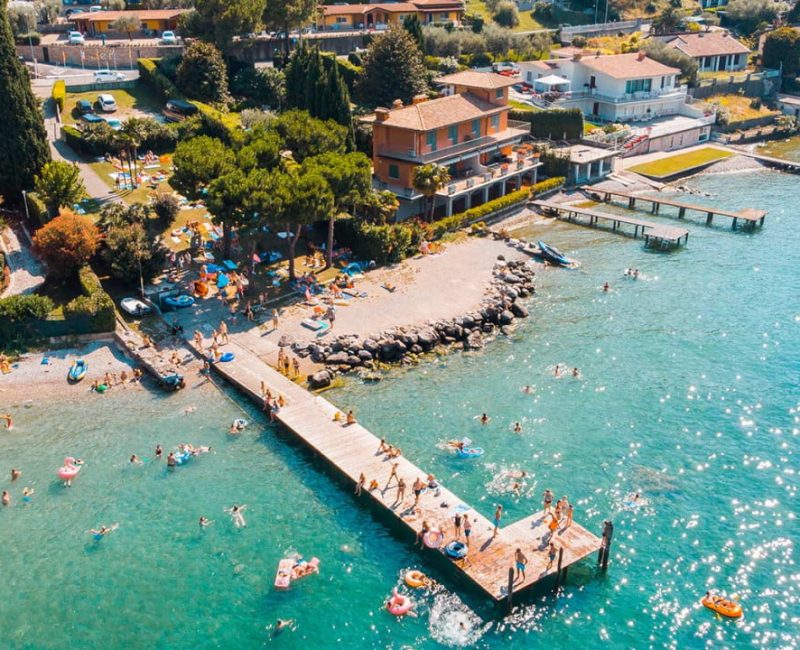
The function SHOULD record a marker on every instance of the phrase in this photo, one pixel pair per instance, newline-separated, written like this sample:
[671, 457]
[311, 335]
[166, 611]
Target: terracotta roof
[569, 52]
[483, 80]
[545, 66]
[391, 7]
[441, 112]
[627, 66]
[344, 10]
[145, 14]
[708, 44]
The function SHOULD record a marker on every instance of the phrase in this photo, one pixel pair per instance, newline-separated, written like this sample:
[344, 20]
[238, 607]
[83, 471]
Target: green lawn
[130, 102]
[520, 106]
[680, 162]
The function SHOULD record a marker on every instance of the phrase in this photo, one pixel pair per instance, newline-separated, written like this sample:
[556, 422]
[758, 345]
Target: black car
[84, 107]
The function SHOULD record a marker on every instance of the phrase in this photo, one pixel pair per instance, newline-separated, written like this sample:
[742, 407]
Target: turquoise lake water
[689, 395]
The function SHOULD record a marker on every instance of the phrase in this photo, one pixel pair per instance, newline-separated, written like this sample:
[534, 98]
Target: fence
[601, 29]
[105, 86]
[754, 84]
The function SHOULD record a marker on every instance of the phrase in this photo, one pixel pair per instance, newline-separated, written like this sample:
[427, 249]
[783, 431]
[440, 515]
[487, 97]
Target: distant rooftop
[441, 112]
[715, 43]
[472, 79]
[144, 14]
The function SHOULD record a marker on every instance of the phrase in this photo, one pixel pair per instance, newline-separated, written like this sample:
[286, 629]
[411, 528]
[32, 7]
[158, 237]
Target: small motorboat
[723, 606]
[77, 370]
[178, 302]
[135, 307]
[172, 381]
[553, 255]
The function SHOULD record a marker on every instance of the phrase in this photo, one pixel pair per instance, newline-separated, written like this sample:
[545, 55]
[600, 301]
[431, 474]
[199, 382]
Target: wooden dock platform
[351, 450]
[749, 216]
[653, 233]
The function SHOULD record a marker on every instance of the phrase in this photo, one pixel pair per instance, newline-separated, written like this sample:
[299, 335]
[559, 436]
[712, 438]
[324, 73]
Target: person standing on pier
[520, 560]
[498, 514]
[551, 555]
[360, 485]
[223, 331]
[457, 526]
[296, 366]
[417, 487]
[467, 529]
[401, 491]
[548, 500]
[393, 475]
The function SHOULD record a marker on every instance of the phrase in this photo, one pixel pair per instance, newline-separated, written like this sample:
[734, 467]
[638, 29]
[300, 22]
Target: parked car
[91, 118]
[169, 38]
[96, 8]
[107, 103]
[76, 38]
[101, 76]
[177, 110]
[84, 107]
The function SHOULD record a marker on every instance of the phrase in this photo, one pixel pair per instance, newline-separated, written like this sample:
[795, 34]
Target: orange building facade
[467, 130]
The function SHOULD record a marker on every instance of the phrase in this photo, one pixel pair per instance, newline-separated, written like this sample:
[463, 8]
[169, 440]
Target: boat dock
[148, 357]
[352, 450]
[654, 233]
[749, 216]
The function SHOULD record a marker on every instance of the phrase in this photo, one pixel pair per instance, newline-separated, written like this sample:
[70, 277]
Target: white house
[615, 88]
[714, 51]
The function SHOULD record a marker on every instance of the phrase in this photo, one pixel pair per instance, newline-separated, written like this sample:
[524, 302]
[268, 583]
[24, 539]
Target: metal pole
[608, 533]
[510, 588]
[25, 201]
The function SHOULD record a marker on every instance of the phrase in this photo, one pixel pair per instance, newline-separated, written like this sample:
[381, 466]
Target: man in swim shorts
[520, 560]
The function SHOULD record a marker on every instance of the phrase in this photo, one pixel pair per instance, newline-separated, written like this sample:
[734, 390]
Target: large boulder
[371, 345]
[337, 358]
[506, 318]
[321, 379]
[519, 310]
[474, 341]
[365, 355]
[427, 338]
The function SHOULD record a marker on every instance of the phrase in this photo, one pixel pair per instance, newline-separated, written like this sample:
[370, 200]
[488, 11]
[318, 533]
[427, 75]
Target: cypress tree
[23, 140]
[338, 104]
[296, 73]
[315, 100]
[414, 27]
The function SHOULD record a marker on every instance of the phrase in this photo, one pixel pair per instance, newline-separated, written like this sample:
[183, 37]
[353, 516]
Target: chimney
[418, 99]
[641, 56]
[381, 114]
[397, 103]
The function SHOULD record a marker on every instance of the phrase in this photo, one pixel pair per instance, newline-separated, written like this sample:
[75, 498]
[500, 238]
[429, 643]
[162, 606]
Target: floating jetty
[350, 450]
[655, 234]
[748, 216]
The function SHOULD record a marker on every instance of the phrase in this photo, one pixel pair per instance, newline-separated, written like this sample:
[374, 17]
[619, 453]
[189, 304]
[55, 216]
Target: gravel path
[27, 273]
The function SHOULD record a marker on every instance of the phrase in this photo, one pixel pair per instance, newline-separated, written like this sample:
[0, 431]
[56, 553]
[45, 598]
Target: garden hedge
[556, 124]
[95, 306]
[157, 80]
[59, 93]
[19, 315]
[37, 210]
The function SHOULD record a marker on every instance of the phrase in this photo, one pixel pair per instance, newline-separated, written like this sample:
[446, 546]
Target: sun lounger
[315, 325]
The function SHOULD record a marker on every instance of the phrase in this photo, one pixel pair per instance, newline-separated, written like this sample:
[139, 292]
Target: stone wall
[116, 57]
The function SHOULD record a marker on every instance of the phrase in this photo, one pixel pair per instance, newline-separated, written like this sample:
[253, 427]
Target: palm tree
[132, 134]
[429, 179]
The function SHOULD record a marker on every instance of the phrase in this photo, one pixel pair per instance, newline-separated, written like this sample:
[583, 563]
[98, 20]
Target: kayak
[553, 255]
[77, 370]
[723, 606]
[178, 302]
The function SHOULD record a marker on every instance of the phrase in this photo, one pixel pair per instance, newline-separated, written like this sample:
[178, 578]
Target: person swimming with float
[101, 532]
[236, 515]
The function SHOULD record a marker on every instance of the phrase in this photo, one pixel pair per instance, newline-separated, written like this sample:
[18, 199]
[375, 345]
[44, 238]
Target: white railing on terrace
[490, 174]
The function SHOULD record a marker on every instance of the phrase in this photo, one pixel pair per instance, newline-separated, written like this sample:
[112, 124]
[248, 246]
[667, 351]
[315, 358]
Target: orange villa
[154, 20]
[380, 15]
[467, 130]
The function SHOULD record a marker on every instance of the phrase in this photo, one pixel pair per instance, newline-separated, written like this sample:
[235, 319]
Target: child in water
[236, 515]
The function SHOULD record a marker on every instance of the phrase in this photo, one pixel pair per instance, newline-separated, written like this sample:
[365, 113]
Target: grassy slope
[680, 162]
[129, 102]
[739, 108]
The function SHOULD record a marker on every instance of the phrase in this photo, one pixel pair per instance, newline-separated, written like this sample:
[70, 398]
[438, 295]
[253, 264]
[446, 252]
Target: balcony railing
[515, 132]
[489, 176]
[575, 95]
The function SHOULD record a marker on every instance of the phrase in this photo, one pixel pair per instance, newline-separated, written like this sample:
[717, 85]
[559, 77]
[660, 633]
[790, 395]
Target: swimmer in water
[103, 531]
[6, 498]
[9, 420]
[27, 493]
[15, 474]
[576, 373]
[236, 515]
[517, 427]
[484, 418]
[205, 522]
[606, 286]
[281, 625]
[527, 389]
[159, 451]
[135, 460]
[557, 371]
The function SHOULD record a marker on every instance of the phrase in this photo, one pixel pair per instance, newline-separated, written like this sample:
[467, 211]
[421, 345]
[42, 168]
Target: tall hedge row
[95, 307]
[59, 93]
[157, 80]
[556, 124]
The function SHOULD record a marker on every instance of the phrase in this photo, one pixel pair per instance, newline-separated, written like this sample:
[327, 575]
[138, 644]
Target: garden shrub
[150, 74]
[59, 93]
[95, 306]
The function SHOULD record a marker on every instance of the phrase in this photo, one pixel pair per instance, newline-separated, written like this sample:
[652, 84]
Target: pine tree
[414, 27]
[392, 69]
[338, 104]
[296, 77]
[23, 140]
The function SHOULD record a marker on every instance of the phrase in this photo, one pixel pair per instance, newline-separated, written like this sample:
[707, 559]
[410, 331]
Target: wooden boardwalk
[351, 450]
[654, 233]
[749, 216]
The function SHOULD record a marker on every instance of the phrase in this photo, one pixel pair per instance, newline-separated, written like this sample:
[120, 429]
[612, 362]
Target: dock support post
[510, 599]
[709, 218]
[615, 225]
[605, 548]
[681, 213]
[653, 207]
[631, 203]
[733, 225]
[558, 569]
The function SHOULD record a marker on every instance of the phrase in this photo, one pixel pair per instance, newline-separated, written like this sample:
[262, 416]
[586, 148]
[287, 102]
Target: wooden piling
[510, 599]
[558, 569]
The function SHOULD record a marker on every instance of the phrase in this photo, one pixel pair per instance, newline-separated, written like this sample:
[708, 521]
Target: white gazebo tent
[551, 83]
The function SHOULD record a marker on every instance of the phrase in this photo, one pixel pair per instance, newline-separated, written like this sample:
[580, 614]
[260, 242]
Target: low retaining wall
[96, 56]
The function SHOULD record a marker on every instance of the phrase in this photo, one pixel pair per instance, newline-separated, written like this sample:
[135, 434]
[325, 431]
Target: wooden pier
[351, 450]
[653, 233]
[748, 216]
